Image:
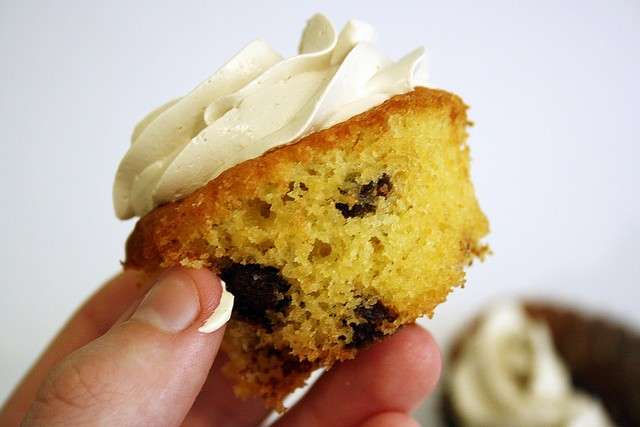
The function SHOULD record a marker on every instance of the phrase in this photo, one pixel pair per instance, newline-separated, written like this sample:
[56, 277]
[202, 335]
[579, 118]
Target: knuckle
[72, 388]
[77, 384]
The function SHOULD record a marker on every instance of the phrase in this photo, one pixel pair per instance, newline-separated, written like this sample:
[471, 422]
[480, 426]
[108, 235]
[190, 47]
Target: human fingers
[217, 404]
[390, 419]
[92, 320]
[146, 370]
[393, 375]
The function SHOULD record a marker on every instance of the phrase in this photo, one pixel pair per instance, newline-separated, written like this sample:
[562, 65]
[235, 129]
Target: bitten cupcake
[330, 191]
[539, 365]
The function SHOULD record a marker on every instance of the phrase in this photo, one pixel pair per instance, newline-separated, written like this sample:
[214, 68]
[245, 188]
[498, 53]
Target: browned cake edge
[170, 233]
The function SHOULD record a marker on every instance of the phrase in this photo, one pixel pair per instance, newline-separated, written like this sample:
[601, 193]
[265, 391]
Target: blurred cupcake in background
[540, 365]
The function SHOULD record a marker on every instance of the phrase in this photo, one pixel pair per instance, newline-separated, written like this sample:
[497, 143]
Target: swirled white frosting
[257, 101]
[508, 374]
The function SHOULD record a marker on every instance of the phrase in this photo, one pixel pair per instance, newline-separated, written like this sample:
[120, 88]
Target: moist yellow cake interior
[377, 212]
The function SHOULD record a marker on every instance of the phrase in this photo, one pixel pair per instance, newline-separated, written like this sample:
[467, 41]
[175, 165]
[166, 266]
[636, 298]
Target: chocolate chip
[369, 329]
[258, 290]
[367, 198]
[373, 189]
[366, 193]
[377, 313]
[363, 334]
[357, 210]
[384, 186]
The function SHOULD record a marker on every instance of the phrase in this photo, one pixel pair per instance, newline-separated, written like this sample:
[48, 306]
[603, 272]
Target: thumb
[146, 370]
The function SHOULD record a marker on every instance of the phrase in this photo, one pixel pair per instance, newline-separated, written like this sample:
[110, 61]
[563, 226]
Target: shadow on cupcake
[537, 364]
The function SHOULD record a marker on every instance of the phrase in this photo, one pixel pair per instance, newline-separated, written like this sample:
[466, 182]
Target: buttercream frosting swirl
[255, 102]
[508, 374]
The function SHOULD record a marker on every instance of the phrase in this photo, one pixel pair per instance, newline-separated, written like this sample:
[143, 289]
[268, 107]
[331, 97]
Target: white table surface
[553, 90]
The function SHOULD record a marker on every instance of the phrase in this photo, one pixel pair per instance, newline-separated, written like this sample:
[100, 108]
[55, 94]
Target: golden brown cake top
[160, 237]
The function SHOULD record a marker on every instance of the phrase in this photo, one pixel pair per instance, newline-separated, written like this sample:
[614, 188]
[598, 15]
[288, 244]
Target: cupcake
[539, 365]
[330, 191]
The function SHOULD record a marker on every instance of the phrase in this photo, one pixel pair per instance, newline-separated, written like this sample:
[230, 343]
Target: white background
[553, 90]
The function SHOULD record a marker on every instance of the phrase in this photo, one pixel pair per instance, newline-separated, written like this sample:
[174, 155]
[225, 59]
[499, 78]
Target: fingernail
[221, 314]
[171, 305]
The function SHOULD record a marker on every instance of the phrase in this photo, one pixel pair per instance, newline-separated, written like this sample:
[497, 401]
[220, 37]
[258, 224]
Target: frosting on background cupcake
[508, 373]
